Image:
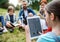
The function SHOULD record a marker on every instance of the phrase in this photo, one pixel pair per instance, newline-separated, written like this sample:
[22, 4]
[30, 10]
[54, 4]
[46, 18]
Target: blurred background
[17, 36]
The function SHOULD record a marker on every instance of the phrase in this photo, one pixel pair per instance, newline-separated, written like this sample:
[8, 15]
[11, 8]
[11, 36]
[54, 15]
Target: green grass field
[16, 36]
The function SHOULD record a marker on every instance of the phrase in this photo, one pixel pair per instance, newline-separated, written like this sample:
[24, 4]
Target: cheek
[47, 20]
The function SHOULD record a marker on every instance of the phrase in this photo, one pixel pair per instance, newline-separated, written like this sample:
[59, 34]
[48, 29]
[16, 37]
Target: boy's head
[11, 10]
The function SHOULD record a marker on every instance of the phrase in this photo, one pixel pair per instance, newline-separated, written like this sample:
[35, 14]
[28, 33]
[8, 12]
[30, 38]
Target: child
[10, 18]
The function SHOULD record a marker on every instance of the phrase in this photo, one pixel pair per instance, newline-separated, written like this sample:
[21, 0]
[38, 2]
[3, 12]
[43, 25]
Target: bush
[17, 7]
[35, 5]
[49, 0]
[4, 4]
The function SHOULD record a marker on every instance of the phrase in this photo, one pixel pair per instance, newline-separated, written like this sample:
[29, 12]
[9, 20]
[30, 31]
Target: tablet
[34, 26]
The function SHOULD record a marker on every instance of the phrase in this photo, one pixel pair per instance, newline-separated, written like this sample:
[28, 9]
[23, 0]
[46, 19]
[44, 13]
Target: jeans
[2, 20]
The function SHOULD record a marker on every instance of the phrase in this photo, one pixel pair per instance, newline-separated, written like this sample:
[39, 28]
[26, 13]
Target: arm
[27, 34]
[20, 17]
[7, 19]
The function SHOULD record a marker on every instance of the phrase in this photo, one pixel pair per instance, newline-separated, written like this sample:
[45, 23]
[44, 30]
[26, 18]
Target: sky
[14, 2]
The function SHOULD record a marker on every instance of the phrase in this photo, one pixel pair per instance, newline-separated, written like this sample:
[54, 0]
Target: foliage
[49, 0]
[35, 5]
[4, 3]
[17, 7]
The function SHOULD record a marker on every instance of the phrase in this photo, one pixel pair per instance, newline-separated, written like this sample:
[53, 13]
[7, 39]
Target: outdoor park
[17, 35]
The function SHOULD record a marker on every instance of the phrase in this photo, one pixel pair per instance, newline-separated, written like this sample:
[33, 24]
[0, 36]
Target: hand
[30, 14]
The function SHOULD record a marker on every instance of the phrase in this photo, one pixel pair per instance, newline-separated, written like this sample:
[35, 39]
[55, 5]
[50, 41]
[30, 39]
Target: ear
[52, 16]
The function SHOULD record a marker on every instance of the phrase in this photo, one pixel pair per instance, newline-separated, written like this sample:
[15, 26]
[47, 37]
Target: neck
[25, 8]
[10, 14]
[56, 29]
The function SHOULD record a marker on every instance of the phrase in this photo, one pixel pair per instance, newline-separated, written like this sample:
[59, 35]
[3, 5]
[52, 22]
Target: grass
[16, 36]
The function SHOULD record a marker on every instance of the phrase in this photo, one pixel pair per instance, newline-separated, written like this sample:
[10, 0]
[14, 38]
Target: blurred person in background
[42, 15]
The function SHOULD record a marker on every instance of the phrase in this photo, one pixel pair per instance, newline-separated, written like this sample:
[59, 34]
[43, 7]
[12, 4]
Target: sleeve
[6, 19]
[32, 11]
[20, 15]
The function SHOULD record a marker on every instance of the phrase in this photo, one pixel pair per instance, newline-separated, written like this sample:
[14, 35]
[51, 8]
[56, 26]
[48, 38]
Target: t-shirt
[11, 19]
[26, 13]
[46, 38]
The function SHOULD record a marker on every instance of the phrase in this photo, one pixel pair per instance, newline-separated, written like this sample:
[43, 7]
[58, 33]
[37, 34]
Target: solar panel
[34, 26]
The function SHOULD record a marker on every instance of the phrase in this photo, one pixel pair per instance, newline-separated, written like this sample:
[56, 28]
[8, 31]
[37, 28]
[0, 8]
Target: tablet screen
[34, 26]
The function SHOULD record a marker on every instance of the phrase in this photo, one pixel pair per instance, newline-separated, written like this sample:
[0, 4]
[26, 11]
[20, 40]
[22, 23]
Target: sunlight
[14, 2]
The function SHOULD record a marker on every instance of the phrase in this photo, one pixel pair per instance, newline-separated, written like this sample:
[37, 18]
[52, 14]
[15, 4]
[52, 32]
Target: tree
[4, 3]
[35, 3]
[49, 0]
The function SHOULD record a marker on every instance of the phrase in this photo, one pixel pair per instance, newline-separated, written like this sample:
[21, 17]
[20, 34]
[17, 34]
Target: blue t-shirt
[46, 38]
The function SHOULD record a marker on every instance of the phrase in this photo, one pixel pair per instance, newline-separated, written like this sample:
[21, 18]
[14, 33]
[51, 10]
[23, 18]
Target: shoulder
[21, 10]
[7, 14]
[29, 8]
[46, 38]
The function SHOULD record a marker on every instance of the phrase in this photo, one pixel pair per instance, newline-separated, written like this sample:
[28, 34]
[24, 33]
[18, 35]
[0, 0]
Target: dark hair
[11, 8]
[24, 1]
[54, 7]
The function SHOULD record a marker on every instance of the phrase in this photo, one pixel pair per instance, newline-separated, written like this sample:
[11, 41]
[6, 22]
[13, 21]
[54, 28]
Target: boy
[10, 18]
